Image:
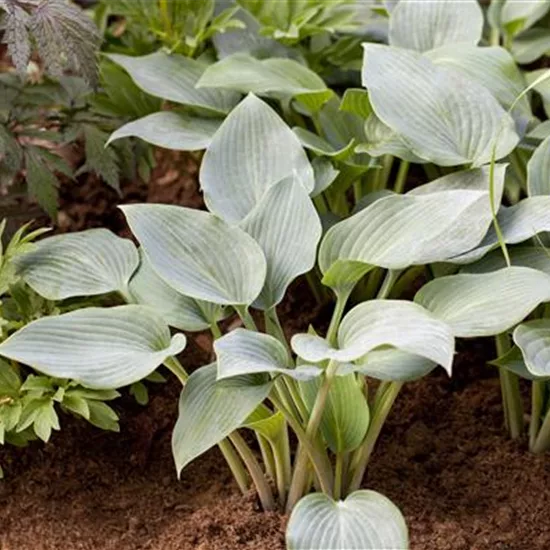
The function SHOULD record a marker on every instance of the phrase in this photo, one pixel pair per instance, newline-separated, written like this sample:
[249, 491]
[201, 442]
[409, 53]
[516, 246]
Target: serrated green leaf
[99, 347]
[10, 382]
[209, 411]
[103, 161]
[41, 182]
[365, 520]
[87, 263]
[102, 416]
[198, 254]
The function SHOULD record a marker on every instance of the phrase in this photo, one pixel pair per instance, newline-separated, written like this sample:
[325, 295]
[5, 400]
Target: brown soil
[443, 457]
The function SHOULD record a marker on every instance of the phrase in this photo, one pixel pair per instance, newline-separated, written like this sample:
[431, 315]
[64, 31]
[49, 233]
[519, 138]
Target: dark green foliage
[64, 36]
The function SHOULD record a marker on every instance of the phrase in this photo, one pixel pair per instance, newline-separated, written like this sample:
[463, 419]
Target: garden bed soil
[443, 457]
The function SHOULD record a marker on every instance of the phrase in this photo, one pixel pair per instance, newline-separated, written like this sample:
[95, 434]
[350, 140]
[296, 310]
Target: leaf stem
[338, 475]
[538, 390]
[246, 318]
[401, 176]
[235, 465]
[511, 397]
[362, 455]
[174, 366]
[262, 487]
[341, 301]
[301, 465]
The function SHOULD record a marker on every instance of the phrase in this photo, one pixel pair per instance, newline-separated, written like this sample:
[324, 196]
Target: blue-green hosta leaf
[441, 115]
[346, 416]
[287, 227]
[518, 16]
[534, 257]
[538, 170]
[485, 304]
[397, 323]
[365, 520]
[274, 77]
[100, 348]
[247, 352]
[540, 132]
[517, 223]
[252, 151]
[209, 410]
[87, 263]
[198, 254]
[394, 364]
[325, 175]
[491, 67]
[530, 45]
[178, 310]
[533, 339]
[423, 26]
[321, 146]
[174, 77]
[513, 361]
[428, 224]
[171, 130]
[382, 140]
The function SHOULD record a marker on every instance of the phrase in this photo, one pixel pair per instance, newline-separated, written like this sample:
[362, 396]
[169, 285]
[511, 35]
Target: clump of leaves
[39, 121]
[66, 39]
[182, 26]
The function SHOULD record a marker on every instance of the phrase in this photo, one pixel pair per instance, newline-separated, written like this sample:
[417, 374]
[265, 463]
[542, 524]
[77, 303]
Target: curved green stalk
[361, 457]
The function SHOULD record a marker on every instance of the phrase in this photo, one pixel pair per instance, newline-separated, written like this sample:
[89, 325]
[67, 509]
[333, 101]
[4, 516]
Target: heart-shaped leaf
[252, 151]
[210, 410]
[87, 263]
[247, 352]
[198, 254]
[171, 130]
[517, 223]
[365, 520]
[273, 76]
[491, 67]
[287, 227]
[485, 304]
[346, 415]
[174, 77]
[376, 323]
[533, 339]
[538, 170]
[423, 26]
[442, 116]
[98, 347]
[178, 310]
[429, 224]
